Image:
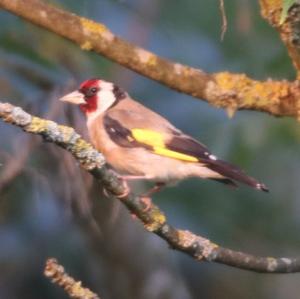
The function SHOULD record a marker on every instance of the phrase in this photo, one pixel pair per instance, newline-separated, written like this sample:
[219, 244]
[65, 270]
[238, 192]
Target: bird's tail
[234, 174]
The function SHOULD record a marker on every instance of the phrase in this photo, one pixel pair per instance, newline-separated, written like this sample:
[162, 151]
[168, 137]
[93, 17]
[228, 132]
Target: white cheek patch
[106, 98]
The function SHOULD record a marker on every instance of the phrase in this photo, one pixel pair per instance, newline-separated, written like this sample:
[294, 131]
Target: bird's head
[95, 96]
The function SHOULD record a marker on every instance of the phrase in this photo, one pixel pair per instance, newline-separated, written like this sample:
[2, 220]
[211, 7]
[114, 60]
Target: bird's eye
[90, 92]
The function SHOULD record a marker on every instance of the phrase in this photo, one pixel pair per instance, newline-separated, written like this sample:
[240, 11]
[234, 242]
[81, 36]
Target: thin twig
[74, 289]
[224, 19]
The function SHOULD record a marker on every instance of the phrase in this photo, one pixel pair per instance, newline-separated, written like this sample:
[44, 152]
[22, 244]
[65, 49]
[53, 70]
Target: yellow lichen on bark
[67, 135]
[237, 91]
[146, 57]
[86, 46]
[152, 61]
[271, 10]
[157, 219]
[91, 27]
[37, 125]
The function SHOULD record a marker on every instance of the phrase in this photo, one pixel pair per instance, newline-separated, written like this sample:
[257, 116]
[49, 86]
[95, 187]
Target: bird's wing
[131, 129]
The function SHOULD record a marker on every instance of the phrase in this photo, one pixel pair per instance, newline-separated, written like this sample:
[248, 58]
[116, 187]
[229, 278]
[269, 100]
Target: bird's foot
[133, 216]
[146, 200]
[125, 187]
[157, 187]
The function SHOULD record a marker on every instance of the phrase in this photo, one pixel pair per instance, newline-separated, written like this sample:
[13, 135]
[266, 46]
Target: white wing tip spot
[212, 157]
[262, 187]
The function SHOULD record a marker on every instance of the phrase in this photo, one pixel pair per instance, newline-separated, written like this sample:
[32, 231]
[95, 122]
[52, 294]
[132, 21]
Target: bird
[140, 144]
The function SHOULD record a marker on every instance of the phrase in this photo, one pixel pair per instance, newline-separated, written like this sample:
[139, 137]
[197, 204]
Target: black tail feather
[226, 181]
[233, 173]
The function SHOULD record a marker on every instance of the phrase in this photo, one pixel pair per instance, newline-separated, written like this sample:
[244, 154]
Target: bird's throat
[90, 106]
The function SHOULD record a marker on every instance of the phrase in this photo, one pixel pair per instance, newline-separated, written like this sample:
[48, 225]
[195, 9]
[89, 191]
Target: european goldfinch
[140, 144]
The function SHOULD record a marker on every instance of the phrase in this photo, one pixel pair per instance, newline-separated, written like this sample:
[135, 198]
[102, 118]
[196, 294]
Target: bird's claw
[146, 200]
[126, 189]
[147, 205]
[125, 192]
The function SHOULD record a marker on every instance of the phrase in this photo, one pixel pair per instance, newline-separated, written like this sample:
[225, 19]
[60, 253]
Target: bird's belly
[137, 161]
[142, 162]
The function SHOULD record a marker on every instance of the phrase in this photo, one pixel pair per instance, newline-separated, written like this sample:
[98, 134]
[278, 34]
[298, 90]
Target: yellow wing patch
[156, 140]
[148, 137]
[172, 154]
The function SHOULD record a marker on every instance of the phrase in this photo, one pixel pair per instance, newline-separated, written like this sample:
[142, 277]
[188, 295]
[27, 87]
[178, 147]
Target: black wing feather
[186, 145]
[121, 135]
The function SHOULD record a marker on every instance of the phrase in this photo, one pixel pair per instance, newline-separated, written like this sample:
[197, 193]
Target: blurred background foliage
[50, 207]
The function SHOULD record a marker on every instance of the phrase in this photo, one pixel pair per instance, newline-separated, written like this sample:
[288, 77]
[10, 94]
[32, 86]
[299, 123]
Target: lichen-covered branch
[56, 273]
[289, 27]
[154, 220]
[224, 90]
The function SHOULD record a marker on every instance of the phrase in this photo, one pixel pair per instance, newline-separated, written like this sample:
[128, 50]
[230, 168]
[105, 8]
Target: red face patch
[89, 89]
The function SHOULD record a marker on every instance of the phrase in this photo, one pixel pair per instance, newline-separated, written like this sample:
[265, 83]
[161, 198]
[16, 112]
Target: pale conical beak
[74, 97]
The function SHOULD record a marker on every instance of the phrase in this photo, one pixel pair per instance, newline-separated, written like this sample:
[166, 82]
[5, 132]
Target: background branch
[74, 289]
[153, 219]
[225, 90]
[288, 27]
